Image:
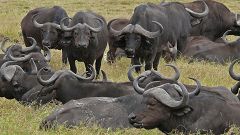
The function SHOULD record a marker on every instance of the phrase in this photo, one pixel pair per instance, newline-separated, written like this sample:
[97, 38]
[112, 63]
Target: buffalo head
[17, 77]
[161, 103]
[82, 32]
[50, 32]
[135, 35]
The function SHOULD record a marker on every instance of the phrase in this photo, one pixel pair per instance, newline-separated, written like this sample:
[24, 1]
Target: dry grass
[18, 119]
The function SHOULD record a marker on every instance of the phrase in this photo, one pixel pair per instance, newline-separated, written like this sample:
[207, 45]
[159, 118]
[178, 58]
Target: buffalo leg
[156, 61]
[64, 56]
[72, 64]
[98, 65]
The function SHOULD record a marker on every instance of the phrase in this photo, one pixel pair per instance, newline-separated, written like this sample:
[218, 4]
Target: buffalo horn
[25, 58]
[51, 80]
[231, 72]
[175, 77]
[130, 76]
[3, 44]
[33, 46]
[38, 25]
[199, 15]
[139, 29]
[136, 86]
[127, 29]
[93, 74]
[96, 29]
[64, 27]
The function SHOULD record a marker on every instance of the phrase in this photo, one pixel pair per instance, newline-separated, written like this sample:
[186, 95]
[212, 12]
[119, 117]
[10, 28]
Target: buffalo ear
[183, 111]
[9, 72]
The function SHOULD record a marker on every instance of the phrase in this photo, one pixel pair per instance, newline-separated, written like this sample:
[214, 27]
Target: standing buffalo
[115, 43]
[152, 26]
[218, 21]
[201, 48]
[89, 32]
[43, 24]
[170, 107]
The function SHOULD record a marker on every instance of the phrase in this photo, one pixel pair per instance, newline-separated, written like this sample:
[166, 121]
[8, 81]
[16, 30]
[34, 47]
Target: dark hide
[219, 20]
[87, 46]
[201, 48]
[46, 35]
[210, 110]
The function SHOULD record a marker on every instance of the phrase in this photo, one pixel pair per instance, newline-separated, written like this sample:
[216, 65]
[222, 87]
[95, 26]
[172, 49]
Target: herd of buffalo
[197, 30]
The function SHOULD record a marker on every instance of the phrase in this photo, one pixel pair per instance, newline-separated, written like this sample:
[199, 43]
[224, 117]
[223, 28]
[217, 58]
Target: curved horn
[139, 29]
[51, 80]
[83, 78]
[36, 24]
[199, 15]
[127, 29]
[197, 89]
[3, 44]
[228, 32]
[130, 76]
[162, 96]
[136, 87]
[25, 58]
[231, 72]
[5, 64]
[104, 78]
[33, 66]
[175, 77]
[96, 29]
[47, 54]
[34, 44]
[64, 27]
[235, 88]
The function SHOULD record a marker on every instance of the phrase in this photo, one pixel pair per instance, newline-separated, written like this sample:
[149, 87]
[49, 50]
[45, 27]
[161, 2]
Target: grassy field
[18, 119]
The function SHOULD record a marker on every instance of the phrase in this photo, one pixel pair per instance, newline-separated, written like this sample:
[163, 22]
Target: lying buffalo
[22, 55]
[218, 20]
[43, 24]
[69, 85]
[152, 26]
[201, 48]
[170, 106]
[89, 35]
[113, 112]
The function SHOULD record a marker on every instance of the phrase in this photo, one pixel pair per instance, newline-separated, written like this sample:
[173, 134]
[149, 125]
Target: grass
[18, 119]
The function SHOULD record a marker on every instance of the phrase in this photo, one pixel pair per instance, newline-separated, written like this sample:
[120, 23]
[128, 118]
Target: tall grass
[18, 119]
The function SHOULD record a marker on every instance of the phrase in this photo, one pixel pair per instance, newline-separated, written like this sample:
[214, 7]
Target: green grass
[18, 119]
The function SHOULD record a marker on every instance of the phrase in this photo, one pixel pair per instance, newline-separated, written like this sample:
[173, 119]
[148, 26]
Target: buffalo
[201, 48]
[169, 106]
[116, 43]
[113, 112]
[89, 35]
[152, 26]
[43, 24]
[22, 55]
[216, 23]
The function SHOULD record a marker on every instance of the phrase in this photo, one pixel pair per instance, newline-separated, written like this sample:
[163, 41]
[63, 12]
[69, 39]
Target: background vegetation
[18, 119]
